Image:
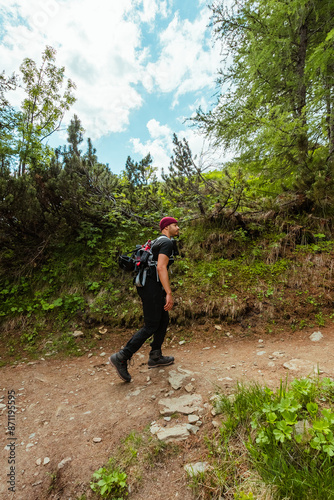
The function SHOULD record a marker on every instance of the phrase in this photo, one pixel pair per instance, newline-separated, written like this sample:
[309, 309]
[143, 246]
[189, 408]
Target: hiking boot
[121, 364]
[156, 359]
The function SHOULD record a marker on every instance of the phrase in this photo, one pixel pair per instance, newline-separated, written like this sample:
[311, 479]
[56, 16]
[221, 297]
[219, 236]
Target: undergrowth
[270, 275]
[282, 439]
[136, 454]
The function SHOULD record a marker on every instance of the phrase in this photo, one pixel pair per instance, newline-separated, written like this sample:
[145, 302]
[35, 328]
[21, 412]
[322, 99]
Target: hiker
[157, 300]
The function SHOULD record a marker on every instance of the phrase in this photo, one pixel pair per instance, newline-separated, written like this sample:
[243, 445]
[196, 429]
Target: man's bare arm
[162, 264]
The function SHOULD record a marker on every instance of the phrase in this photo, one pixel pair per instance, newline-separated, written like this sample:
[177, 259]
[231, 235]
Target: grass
[272, 444]
[137, 453]
[225, 274]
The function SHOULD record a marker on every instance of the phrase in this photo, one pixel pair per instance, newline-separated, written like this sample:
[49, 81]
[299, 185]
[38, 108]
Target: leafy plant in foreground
[291, 435]
[110, 483]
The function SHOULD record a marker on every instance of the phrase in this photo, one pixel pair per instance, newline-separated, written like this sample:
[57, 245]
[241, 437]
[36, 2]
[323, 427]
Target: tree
[275, 107]
[7, 121]
[185, 180]
[75, 136]
[43, 108]
[90, 157]
[139, 174]
[189, 186]
[140, 185]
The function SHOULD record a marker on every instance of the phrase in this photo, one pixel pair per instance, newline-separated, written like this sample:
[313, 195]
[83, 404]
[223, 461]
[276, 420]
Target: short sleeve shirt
[162, 245]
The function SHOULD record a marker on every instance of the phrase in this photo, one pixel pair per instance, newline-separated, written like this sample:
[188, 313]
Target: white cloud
[160, 146]
[202, 102]
[187, 61]
[151, 8]
[101, 45]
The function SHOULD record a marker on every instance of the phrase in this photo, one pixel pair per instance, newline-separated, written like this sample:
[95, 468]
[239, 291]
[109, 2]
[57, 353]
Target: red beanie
[166, 221]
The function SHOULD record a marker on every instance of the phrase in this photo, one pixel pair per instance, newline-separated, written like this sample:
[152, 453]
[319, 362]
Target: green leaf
[321, 426]
[104, 489]
[271, 417]
[288, 404]
[262, 437]
[328, 415]
[329, 449]
[312, 408]
[317, 441]
[289, 417]
[58, 302]
[279, 435]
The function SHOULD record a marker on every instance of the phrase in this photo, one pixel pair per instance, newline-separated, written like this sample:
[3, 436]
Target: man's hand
[169, 302]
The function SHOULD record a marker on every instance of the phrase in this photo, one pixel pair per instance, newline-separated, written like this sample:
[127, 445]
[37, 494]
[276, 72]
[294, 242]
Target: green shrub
[110, 483]
[290, 435]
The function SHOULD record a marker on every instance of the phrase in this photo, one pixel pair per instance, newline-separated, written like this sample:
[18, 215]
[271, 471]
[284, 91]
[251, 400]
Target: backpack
[140, 261]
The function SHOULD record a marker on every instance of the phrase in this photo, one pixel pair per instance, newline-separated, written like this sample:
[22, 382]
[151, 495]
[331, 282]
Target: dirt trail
[61, 406]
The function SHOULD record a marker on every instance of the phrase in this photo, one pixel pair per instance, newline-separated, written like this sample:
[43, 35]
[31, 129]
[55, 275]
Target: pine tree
[275, 108]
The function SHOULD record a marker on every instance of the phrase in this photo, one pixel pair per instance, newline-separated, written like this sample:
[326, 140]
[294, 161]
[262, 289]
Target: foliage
[275, 106]
[65, 221]
[7, 122]
[243, 496]
[110, 483]
[70, 200]
[188, 185]
[140, 192]
[291, 443]
[131, 459]
[43, 108]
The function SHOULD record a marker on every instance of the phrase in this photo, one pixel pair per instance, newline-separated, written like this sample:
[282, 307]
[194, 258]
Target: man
[157, 300]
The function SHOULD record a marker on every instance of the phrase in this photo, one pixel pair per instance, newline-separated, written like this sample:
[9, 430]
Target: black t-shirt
[162, 245]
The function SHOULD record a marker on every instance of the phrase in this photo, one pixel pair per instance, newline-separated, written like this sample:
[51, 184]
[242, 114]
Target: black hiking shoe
[156, 359]
[121, 365]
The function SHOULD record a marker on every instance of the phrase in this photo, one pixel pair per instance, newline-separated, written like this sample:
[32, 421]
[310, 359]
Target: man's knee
[151, 328]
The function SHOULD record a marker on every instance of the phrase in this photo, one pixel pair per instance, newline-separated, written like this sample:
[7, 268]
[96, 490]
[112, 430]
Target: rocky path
[70, 415]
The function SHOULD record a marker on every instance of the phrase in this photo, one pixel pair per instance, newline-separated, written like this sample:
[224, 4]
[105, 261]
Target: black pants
[156, 319]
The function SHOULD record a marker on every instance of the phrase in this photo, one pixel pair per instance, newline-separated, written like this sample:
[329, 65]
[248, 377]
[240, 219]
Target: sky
[141, 68]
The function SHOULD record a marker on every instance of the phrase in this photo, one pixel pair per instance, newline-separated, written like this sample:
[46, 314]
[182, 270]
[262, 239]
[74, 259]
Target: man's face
[173, 230]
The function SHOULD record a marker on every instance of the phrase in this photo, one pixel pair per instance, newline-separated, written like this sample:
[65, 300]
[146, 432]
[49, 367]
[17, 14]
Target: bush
[290, 435]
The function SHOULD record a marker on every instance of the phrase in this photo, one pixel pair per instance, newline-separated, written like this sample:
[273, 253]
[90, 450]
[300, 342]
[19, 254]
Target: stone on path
[193, 418]
[176, 378]
[316, 336]
[78, 333]
[64, 462]
[299, 365]
[177, 432]
[192, 428]
[186, 404]
[196, 468]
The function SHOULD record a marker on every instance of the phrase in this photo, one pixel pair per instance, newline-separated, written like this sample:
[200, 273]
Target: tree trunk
[302, 141]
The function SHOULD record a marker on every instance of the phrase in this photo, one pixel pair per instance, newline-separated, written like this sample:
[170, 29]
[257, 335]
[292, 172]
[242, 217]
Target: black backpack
[140, 261]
